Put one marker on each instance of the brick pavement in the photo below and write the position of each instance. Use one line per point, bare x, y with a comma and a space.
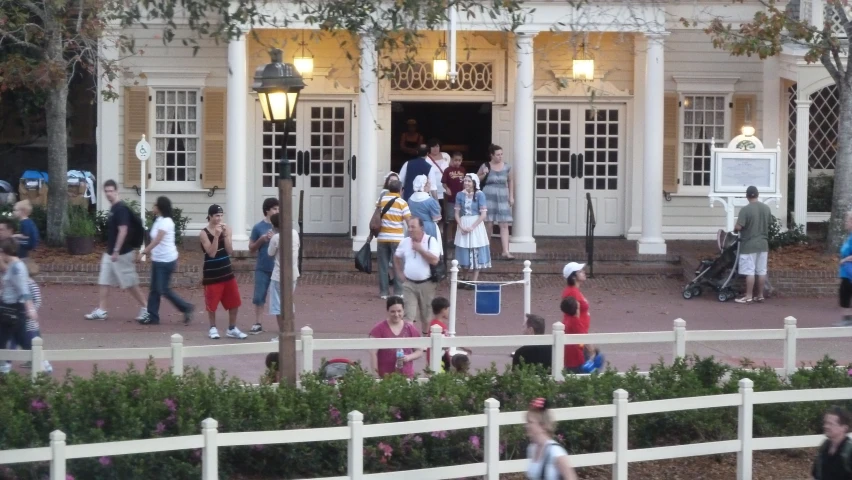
346, 305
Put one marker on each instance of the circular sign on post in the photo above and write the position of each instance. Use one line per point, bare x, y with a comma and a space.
143, 150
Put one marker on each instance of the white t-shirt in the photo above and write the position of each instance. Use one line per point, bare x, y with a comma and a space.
440, 165
552, 451
273, 251
165, 251
415, 265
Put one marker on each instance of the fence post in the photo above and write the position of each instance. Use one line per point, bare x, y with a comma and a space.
680, 339
57, 455
619, 434
527, 287
210, 452
36, 362
790, 336
307, 349
177, 355
436, 349
355, 468
491, 440
558, 358
454, 294
744, 433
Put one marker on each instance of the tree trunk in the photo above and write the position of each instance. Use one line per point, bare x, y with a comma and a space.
57, 143
842, 197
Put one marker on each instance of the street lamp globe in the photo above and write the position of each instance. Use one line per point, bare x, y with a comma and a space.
278, 86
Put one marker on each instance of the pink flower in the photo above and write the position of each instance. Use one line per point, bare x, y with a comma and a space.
396, 414
503, 448
196, 453
850, 372
474, 440
38, 405
170, 404
105, 461
442, 434
69, 477
99, 423
417, 439
161, 427
334, 413
386, 449
257, 448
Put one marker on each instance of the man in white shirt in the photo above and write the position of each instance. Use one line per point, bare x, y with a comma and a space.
413, 260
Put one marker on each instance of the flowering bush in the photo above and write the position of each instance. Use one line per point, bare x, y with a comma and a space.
113, 406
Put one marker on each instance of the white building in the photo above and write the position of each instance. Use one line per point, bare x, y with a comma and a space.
639, 145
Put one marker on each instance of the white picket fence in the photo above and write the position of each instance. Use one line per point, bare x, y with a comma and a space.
307, 345
210, 440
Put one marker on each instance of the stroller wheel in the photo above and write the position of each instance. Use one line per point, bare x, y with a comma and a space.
696, 291
687, 293
723, 296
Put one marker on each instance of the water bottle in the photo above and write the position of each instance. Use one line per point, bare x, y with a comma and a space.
399, 359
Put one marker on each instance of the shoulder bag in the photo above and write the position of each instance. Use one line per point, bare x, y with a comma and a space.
439, 271
376, 220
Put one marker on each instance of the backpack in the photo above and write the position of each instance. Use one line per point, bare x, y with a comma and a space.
845, 455
546, 460
135, 231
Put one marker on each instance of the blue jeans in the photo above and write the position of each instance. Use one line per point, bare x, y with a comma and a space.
161, 275
385, 252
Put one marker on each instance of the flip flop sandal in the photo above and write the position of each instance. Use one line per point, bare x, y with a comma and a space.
744, 300
759, 299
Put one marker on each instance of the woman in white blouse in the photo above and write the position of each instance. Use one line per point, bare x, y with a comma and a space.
164, 256
547, 459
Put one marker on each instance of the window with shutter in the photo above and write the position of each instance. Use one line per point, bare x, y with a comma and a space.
176, 137
671, 113
135, 125
213, 138
704, 119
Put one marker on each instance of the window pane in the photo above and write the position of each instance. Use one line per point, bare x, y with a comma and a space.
176, 135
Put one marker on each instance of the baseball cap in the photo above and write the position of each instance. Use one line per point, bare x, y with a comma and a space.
751, 192
214, 210
572, 268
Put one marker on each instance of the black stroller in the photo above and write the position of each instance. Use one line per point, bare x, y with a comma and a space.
719, 273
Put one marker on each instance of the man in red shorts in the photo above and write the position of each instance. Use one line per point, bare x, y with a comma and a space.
220, 286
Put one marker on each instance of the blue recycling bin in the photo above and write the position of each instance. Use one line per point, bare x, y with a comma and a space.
487, 299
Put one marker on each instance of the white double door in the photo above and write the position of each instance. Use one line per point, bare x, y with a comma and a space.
579, 150
318, 150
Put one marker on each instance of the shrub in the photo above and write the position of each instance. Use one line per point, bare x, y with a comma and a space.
820, 192
114, 406
80, 223
180, 220
793, 236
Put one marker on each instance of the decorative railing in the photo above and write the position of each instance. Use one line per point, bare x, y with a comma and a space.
417, 77
620, 411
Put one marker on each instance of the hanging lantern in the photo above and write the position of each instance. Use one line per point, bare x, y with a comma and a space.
584, 68
440, 65
304, 63
748, 129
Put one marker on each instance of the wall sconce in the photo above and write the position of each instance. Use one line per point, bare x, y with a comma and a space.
584, 68
440, 65
748, 129
305, 63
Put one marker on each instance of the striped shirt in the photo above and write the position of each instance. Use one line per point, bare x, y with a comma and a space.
35, 293
216, 269
393, 222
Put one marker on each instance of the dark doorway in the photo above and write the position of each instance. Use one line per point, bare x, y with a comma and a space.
461, 126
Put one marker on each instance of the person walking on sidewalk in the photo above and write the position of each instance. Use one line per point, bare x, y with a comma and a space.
220, 285
118, 264
753, 226
261, 234
164, 256
16, 302
834, 458
272, 253
846, 276
28, 237
391, 233
413, 260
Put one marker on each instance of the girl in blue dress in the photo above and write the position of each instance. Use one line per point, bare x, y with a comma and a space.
473, 249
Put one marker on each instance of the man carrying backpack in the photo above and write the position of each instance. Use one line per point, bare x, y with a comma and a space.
834, 459
118, 264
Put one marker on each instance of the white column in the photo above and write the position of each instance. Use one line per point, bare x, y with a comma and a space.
636, 134
803, 125
108, 121
236, 193
651, 242
368, 104
524, 144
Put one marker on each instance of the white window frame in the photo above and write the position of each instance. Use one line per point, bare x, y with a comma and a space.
176, 79
716, 86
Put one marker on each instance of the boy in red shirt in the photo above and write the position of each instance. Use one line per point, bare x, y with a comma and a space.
453, 181
441, 312
575, 355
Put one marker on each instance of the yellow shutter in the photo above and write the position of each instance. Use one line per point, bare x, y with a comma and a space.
738, 116
135, 125
671, 114
213, 164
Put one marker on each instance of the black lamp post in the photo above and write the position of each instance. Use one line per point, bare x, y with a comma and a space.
278, 86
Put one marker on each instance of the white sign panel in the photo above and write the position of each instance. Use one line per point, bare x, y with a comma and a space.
734, 171
143, 150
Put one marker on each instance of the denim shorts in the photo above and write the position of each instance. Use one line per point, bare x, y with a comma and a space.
261, 286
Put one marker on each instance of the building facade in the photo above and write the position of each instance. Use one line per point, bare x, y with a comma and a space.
634, 140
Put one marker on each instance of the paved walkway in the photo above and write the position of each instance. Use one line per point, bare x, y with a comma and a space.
345, 306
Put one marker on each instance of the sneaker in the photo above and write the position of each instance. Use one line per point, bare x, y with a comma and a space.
147, 320
187, 315
46, 367
384, 297
845, 322
28, 365
274, 339
143, 314
6, 367
97, 314
214, 333
234, 332
256, 329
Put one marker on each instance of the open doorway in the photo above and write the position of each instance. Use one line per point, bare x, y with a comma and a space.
462, 126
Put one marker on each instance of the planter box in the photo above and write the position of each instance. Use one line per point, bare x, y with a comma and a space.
80, 245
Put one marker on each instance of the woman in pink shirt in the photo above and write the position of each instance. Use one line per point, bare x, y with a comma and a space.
384, 360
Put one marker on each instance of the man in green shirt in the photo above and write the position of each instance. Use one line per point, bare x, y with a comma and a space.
753, 226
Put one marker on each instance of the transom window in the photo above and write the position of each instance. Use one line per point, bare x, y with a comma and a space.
703, 120
176, 135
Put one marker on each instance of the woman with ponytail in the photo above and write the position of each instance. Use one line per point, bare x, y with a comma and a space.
547, 459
